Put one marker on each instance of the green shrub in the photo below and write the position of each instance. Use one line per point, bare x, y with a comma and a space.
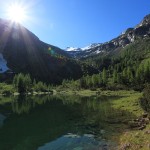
6, 89
145, 100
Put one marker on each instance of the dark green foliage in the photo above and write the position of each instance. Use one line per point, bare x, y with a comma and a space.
87, 82
23, 84
40, 87
145, 101
6, 89
104, 77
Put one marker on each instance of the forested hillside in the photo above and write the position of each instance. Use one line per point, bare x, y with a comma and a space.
129, 67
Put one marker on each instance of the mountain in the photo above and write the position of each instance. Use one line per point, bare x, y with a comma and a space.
141, 31
22, 51
82, 52
123, 62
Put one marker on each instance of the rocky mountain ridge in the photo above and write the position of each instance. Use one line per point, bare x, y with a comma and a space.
142, 30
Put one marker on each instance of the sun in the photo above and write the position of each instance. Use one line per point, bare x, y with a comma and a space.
16, 12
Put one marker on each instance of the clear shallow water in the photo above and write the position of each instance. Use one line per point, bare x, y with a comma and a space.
56, 123
2, 118
75, 142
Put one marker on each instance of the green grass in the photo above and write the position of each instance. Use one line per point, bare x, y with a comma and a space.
129, 102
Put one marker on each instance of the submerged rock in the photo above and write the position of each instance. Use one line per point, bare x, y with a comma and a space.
2, 118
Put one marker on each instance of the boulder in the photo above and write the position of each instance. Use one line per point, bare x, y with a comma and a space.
145, 115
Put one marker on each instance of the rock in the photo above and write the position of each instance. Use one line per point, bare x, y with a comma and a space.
105, 147
147, 132
140, 123
128, 30
145, 21
148, 146
142, 127
125, 146
123, 42
147, 120
145, 115
133, 124
2, 118
142, 120
136, 119
102, 131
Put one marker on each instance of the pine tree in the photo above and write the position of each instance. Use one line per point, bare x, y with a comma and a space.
99, 76
115, 76
94, 80
15, 81
27, 82
118, 78
104, 76
20, 83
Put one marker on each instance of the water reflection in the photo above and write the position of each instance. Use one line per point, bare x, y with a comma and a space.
76, 142
35, 120
2, 118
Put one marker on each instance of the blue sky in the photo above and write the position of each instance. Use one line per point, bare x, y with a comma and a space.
78, 23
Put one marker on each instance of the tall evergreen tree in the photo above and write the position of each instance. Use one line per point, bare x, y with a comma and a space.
104, 76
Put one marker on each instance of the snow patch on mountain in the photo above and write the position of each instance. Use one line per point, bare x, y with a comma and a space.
3, 64
72, 49
91, 46
92, 49
84, 48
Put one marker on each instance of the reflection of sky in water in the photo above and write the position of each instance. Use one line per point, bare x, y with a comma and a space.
75, 142
2, 118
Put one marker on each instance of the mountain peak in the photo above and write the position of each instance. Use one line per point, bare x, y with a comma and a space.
145, 21
147, 18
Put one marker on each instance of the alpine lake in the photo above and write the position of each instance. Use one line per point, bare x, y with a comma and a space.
60, 122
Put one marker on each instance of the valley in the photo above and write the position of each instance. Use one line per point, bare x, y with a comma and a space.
96, 97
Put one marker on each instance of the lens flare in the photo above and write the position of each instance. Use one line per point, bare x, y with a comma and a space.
16, 12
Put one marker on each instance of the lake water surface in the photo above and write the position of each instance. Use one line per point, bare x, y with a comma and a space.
56, 123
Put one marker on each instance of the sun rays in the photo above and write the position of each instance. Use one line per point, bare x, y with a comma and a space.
16, 12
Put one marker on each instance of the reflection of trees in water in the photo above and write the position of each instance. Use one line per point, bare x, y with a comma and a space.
95, 109
100, 106
22, 104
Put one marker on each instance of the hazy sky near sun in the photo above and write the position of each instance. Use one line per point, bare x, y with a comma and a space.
78, 23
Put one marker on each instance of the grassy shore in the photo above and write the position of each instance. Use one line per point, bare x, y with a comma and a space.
132, 139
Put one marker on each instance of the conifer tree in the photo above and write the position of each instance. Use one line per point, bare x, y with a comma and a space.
104, 76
